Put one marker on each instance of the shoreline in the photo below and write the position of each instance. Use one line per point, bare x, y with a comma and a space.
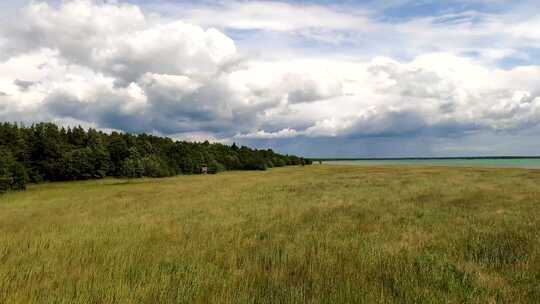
450, 163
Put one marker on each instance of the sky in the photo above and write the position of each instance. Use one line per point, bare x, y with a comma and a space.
320, 78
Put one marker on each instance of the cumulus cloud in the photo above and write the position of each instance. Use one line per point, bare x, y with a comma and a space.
435, 95
126, 68
120, 41
285, 133
113, 66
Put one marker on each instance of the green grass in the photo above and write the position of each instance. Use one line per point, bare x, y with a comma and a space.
319, 234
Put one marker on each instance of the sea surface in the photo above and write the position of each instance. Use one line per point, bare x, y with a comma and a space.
529, 163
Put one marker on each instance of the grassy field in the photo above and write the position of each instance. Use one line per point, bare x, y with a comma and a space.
319, 234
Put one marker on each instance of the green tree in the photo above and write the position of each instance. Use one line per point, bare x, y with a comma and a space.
132, 166
44, 151
118, 152
12, 173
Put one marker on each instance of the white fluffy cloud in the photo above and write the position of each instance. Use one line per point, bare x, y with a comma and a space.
120, 41
114, 66
435, 94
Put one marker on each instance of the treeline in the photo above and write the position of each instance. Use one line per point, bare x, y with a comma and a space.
47, 152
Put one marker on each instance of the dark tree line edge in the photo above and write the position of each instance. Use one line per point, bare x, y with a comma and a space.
46, 152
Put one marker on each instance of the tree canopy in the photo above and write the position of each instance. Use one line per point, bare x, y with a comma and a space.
47, 152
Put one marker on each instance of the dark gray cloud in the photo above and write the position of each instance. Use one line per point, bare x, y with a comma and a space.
23, 85
481, 143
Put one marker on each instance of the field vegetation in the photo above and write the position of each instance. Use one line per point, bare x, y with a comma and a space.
314, 234
47, 152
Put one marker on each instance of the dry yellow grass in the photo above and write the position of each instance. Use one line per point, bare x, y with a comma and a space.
319, 234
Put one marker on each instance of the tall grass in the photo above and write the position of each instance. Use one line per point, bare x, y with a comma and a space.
319, 234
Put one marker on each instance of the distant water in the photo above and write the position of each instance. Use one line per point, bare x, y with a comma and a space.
529, 163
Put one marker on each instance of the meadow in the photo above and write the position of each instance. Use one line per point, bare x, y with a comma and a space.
314, 234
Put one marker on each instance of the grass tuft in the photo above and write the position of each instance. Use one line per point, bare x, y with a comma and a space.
497, 249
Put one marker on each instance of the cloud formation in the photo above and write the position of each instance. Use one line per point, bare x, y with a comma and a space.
114, 66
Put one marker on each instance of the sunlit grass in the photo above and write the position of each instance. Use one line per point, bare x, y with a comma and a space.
320, 234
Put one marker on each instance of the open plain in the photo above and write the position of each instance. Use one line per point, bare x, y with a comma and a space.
314, 234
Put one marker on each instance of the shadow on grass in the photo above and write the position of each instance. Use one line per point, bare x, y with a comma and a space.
497, 249
425, 278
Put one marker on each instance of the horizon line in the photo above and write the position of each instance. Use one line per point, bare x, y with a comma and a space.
421, 158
